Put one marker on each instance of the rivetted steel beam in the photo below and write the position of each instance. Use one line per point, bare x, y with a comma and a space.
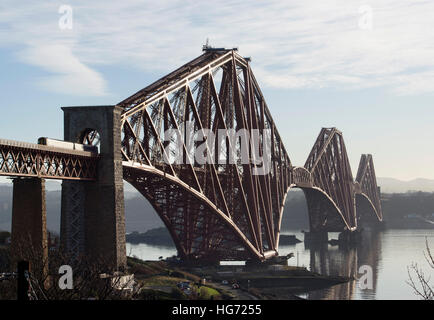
22, 159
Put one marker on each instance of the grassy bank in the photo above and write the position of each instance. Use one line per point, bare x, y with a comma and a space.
160, 281
254, 283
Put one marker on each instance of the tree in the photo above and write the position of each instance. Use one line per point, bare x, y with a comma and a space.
92, 278
419, 281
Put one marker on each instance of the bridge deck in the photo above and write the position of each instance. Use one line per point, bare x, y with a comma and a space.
23, 159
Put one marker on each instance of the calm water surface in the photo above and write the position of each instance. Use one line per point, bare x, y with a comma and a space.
388, 253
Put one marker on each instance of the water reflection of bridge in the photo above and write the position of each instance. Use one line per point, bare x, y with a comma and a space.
347, 261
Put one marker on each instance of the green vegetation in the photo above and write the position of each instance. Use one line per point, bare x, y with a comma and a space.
162, 281
159, 281
146, 268
150, 294
208, 293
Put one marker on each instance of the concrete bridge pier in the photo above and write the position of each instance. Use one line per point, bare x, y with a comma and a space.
93, 217
29, 221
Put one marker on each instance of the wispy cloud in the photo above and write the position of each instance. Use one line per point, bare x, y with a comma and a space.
294, 44
67, 74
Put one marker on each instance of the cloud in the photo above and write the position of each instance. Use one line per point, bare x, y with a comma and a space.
294, 44
67, 74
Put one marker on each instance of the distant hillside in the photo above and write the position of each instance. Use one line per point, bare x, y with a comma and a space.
390, 185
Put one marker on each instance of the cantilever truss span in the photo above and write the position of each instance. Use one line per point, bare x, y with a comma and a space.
221, 208
331, 192
366, 184
331, 175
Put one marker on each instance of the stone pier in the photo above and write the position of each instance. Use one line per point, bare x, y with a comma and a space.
93, 217
29, 220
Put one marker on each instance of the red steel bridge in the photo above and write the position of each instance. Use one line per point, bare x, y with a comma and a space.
218, 209
22, 159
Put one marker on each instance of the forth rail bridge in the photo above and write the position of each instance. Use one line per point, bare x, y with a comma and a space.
214, 211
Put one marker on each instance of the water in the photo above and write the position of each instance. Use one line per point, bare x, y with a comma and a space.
148, 252
389, 253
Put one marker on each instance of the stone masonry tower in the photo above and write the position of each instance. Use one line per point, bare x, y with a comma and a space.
93, 215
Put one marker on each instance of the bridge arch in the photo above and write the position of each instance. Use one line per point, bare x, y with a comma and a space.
324, 214
199, 229
214, 92
323, 211
367, 215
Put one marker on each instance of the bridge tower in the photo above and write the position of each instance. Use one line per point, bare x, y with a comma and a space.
93, 214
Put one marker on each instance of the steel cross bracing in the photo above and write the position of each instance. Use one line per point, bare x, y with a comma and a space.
331, 175
330, 169
217, 209
20, 159
366, 184
220, 210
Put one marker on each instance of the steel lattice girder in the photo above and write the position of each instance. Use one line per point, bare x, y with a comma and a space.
330, 169
217, 210
21, 159
331, 174
215, 91
367, 184
222, 210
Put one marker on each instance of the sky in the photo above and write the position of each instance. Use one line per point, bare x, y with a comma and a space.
364, 67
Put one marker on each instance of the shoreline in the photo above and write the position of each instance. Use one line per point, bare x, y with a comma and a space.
235, 282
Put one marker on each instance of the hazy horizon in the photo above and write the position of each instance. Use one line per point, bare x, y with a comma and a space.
387, 185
